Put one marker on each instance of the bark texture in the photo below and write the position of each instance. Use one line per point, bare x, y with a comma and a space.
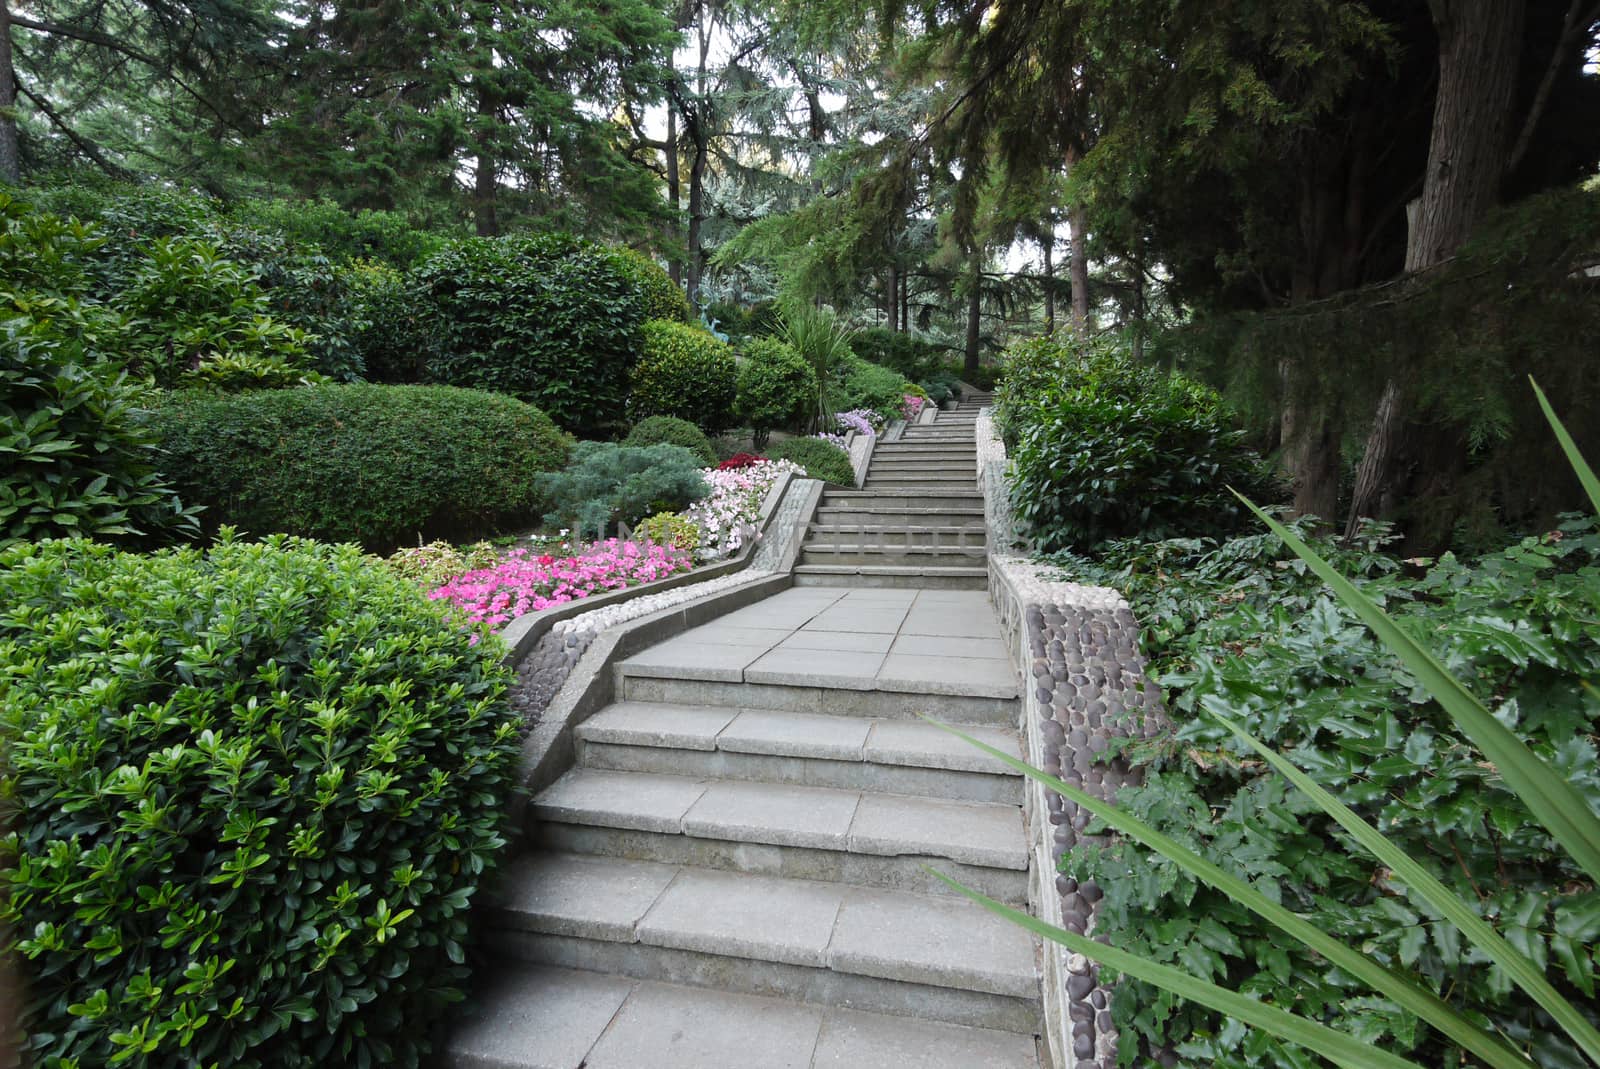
10, 155
1479, 43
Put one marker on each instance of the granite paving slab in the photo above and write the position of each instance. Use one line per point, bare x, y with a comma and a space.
639, 801
911, 742
536, 1018
970, 832
932, 939
772, 813
682, 727
667, 1027
853, 1040
592, 897
836, 738
837, 669
745, 916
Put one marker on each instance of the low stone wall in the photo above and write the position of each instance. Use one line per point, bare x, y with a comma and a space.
1077, 650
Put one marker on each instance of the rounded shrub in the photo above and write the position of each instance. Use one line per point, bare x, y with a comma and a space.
775, 388
550, 320
380, 465
670, 430
684, 372
663, 298
822, 460
256, 790
670, 529
607, 484
1106, 448
864, 385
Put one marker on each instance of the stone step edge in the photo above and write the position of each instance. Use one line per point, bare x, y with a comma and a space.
905, 754
549, 806
560, 881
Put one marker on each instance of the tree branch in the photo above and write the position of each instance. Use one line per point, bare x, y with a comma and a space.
104, 40
85, 146
1541, 98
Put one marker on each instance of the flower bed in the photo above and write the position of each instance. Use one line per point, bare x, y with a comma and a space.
527, 582
734, 505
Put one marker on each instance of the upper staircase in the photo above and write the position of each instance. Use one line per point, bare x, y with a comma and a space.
917, 520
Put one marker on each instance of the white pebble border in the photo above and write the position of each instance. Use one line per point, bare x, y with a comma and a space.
597, 620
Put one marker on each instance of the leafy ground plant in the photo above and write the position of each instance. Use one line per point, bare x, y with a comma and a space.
1504, 945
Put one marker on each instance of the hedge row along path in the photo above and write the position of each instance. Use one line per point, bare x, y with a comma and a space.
733, 874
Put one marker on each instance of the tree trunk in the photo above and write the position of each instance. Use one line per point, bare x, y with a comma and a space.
893, 317
485, 180
974, 312
674, 192
1479, 43
905, 304
10, 155
1078, 265
697, 193
1049, 247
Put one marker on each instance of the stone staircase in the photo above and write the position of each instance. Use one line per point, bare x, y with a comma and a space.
917, 521
734, 875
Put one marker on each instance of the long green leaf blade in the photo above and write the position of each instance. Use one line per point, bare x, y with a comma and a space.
1336, 1046
1552, 800
1586, 475
1423, 884
1423, 1003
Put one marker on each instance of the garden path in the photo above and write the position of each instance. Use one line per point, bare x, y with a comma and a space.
735, 874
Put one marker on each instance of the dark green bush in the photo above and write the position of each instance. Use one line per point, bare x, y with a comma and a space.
1103, 448
822, 460
384, 237
915, 358
550, 320
282, 788
379, 465
78, 461
663, 298
1244, 630
670, 430
385, 323
864, 385
608, 484
776, 388
684, 372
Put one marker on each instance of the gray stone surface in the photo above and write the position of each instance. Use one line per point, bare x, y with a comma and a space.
835, 738
528, 1017
593, 897
925, 939
977, 834
640, 801
816, 668
851, 1040
684, 727
948, 675
771, 813
744, 916
911, 742
667, 1027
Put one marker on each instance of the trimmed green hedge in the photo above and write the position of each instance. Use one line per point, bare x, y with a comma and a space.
670, 430
255, 791
380, 465
684, 372
822, 460
775, 388
663, 298
550, 320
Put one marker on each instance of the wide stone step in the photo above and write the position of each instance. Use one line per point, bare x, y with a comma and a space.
915, 557
891, 537
893, 576
912, 466
933, 484
815, 941
538, 1017
964, 517
861, 838
904, 497
808, 749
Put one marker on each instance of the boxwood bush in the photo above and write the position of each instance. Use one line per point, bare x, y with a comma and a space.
684, 372
378, 465
550, 320
670, 430
256, 790
1105, 448
775, 388
663, 298
822, 460
864, 385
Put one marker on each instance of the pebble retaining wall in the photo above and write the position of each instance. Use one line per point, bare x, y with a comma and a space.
1077, 650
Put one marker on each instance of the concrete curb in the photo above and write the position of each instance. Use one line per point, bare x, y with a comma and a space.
524, 632
548, 750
